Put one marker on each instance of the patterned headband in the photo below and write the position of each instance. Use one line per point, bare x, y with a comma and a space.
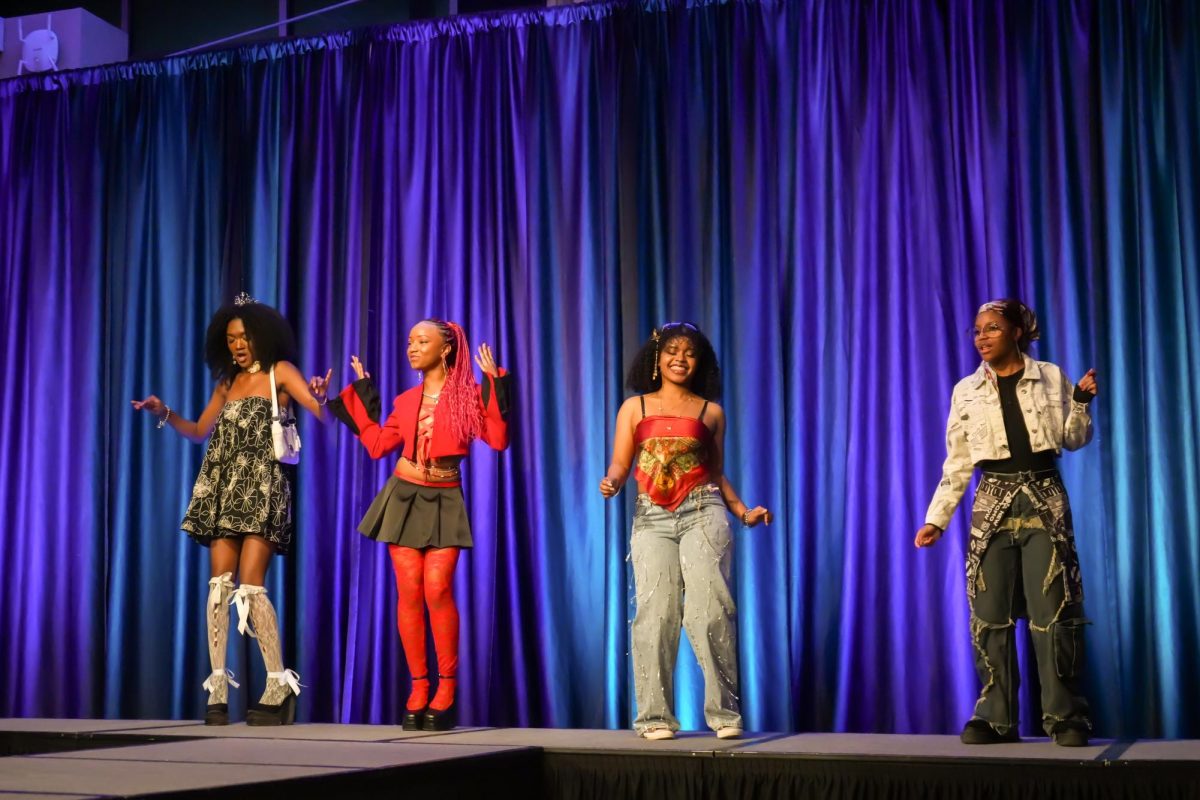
656, 333
1029, 321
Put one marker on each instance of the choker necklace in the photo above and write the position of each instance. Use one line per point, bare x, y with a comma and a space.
253, 368
433, 397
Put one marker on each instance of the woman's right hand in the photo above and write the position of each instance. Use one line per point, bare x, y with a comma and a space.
359, 370
151, 404
608, 487
928, 535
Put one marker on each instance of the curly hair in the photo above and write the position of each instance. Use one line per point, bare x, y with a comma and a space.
460, 394
1018, 315
643, 376
270, 336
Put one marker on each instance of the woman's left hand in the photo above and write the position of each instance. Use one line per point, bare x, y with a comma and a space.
753, 516
320, 386
486, 361
1088, 382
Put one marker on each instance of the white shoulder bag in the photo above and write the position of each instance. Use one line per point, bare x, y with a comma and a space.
284, 436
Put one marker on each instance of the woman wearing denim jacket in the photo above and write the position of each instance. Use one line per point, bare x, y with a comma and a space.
1011, 418
681, 545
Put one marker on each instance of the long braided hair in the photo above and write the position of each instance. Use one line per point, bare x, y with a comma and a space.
459, 398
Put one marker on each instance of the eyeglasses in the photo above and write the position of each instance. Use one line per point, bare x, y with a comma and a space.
989, 331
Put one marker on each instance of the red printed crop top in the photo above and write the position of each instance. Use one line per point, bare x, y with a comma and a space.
673, 456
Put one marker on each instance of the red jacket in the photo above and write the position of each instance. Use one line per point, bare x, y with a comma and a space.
358, 406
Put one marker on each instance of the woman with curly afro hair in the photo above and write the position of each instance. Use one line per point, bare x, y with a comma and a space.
672, 435
241, 507
420, 513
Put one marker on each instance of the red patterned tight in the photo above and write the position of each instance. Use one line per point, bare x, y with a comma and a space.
426, 578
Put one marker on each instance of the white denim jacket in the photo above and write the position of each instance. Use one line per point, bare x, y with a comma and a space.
975, 427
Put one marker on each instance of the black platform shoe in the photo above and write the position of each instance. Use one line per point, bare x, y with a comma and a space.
440, 719
412, 719
261, 714
216, 714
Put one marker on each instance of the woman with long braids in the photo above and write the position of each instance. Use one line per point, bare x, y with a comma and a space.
241, 507
1010, 419
420, 512
672, 434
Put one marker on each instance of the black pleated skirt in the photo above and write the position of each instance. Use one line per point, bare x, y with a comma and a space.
416, 516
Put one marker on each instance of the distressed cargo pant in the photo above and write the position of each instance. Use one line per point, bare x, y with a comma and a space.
1020, 574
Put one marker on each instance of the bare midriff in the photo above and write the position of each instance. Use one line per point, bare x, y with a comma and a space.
439, 470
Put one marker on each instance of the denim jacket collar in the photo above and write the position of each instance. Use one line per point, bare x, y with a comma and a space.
986, 374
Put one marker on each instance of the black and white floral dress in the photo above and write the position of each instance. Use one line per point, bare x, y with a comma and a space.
241, 488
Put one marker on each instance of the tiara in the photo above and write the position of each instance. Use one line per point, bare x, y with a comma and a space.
243, 299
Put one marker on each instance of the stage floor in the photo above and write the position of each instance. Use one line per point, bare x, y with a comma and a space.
138, 758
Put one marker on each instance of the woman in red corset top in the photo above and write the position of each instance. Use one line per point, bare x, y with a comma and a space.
420, 512
672, 434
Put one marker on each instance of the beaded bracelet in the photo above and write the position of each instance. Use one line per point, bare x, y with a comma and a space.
164, 419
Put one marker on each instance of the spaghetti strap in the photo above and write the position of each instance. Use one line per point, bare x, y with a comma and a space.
642, 398
703, 408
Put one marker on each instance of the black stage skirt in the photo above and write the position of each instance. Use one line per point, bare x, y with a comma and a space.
416, 516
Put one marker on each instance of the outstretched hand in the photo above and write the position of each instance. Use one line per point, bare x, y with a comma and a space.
359, 370
487, 361
152, 405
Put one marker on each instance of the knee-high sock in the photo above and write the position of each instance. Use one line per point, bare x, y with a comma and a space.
216, 615
443, 618
409, 566
255, 608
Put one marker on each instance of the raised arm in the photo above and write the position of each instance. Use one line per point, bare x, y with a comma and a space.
311, 394
1077, 422
359, 407
495, 393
